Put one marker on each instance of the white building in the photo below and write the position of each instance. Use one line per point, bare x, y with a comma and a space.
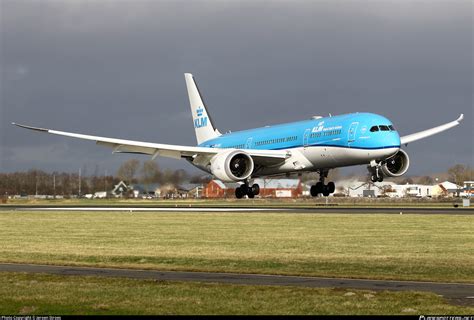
446, 189
468, 189
355, 188
411, 190
100, 195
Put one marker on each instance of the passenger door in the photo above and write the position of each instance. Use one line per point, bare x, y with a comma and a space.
352, 133
248, 144
306, 137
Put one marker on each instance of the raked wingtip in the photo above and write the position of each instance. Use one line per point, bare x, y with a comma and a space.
30, 127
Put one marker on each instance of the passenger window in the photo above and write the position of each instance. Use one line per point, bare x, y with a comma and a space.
374, 128
384, 128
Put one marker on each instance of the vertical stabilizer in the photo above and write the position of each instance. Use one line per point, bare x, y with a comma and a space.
202, 121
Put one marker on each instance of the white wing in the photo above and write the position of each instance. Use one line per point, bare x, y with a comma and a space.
165, 150
426, 133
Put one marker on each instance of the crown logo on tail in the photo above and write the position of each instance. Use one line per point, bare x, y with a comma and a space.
199, 111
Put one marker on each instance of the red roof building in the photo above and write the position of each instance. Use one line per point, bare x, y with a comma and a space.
218, 189
269, 188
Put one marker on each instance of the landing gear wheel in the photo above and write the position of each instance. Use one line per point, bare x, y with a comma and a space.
376, 174
255, 189
331, 187
245, 189
319, 187
239, 194
326, 191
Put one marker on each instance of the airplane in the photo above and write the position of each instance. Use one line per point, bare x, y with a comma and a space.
317, 145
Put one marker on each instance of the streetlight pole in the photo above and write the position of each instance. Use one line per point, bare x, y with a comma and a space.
79, 182
105, 183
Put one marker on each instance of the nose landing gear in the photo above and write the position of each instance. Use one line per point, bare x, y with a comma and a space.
375, 171
320, 187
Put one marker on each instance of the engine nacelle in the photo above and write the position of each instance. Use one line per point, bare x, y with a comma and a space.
396, 165
232, 165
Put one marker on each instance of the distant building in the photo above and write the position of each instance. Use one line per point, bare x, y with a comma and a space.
121, 189
280, 188
157, 190
468, 189
269, 188
368, 193
219, 189
412, 190
191, 190
446, 189
100, 195
356, 188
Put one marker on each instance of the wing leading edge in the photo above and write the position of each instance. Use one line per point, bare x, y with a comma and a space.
426, 133
163, 150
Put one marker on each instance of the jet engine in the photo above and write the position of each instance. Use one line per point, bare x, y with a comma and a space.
232, 165
396, 165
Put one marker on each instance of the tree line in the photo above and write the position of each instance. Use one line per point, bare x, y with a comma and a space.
132, 171
39, 182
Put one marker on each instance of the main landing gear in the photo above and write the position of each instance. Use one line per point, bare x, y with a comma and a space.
249, 191
375, 171
320, 187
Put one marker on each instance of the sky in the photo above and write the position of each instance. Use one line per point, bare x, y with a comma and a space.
115, 69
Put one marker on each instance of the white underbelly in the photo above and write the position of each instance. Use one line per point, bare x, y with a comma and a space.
328, 157
312, 158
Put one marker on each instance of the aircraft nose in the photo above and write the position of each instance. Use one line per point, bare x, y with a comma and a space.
395, 139
392, 141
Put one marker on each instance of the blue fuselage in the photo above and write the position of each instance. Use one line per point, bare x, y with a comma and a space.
354, 131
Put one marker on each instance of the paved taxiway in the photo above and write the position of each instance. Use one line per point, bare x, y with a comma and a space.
194, 208
460, 293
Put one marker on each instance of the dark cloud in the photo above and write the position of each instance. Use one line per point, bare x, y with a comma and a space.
115, 68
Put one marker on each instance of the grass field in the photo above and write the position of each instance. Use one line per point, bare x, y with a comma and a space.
46, 294
405, 247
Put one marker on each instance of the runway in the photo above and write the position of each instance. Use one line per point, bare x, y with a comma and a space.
155, 209
317, 209
460, 293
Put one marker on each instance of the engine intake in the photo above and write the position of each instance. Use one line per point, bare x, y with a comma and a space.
396, 165
232, 165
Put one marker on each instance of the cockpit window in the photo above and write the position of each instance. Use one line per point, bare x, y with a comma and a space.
382, 128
